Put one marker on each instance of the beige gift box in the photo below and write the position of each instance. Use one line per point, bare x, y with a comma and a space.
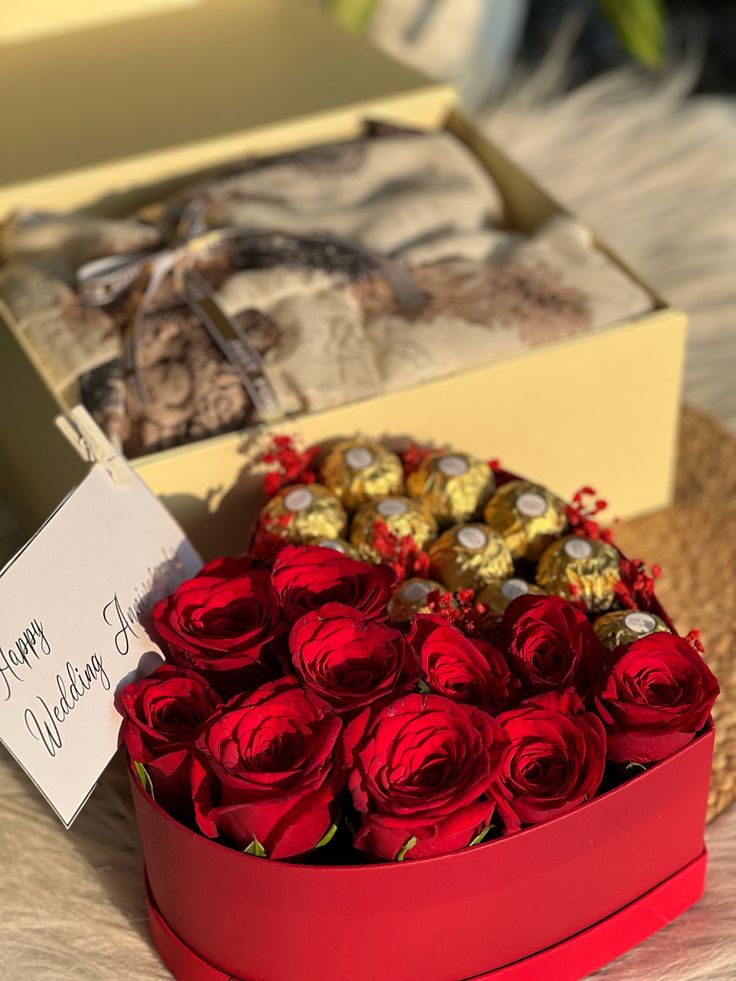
113, 113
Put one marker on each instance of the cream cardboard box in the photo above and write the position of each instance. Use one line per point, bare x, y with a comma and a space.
108, 115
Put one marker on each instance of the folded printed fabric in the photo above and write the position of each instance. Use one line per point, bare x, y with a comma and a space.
351, 270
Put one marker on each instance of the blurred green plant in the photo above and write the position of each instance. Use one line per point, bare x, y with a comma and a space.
640, 27
355, 15
638, 24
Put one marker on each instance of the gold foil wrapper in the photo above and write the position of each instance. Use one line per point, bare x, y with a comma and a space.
304, 513
626, 626
357, 471
470, 556
497, 595
528, 517
410, 598
402, 517
453, 486
582, 570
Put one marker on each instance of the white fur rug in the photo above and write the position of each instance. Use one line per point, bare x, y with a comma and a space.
657, 178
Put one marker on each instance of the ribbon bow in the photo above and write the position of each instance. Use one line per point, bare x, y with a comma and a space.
102, 281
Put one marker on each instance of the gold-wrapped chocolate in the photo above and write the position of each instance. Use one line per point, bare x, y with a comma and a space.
583, 570
338, 545
528, 517
453, 486
410, 598
469, 556
304, 513
626, 626
400, 515
497, 595
357, 471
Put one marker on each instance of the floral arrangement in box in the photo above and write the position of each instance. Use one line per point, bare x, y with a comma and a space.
417, 652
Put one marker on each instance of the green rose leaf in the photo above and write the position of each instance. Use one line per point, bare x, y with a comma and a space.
406, 847
256, 848
423, 687
327, 836
482, 834
632, 769
144, 779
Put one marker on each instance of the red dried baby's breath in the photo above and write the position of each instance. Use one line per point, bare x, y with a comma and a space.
289, 464
413, 457
581, 515
267, 542
400, 552
695, 640
459, 609
636, 588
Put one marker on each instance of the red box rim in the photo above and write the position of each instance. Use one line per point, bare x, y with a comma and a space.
579, 954
381, 867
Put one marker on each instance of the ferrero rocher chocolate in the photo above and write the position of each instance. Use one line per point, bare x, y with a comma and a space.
357, 471
453, 486
626, 626
528, 517
469, 556
497, 595
304, 513
400, 515
583, 570
410, 598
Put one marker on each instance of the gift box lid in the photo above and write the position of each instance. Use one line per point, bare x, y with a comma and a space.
102, 108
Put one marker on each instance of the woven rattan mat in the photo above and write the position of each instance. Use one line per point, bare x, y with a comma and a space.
695, 543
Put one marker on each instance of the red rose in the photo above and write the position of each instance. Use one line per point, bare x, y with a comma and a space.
458, 667
421, 769
223, 623
164, 714
348, 659
658, 693
554, 760
551, 645
263, 774
306, 577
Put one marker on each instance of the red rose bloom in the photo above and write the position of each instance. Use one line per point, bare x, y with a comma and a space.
458, 667
306, 577
658, 693
263, 774
421, 769
348, 659
164, 714
554, 760
223, 623
551, 645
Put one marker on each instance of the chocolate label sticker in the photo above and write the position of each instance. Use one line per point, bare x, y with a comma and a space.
472, 537
414, 592
578, 548
299, 499
391, 506
75, 615
358, 457
640, 623
513, 588
453, 466
531, 504
331, 543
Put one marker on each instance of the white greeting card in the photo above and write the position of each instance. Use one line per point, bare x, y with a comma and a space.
75, 616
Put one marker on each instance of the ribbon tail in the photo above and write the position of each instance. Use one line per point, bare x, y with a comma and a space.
234, 343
